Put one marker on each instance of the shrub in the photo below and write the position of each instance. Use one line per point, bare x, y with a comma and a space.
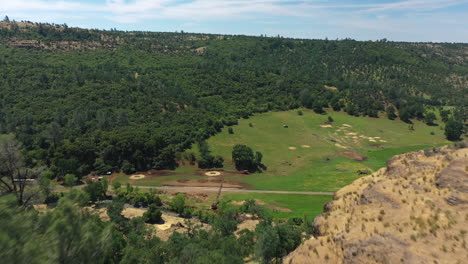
70, 179
177, 204
48, 174
153, 215
230, 130
127, 167
139, 200
116, 185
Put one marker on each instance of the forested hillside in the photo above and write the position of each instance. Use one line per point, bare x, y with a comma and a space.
83, 101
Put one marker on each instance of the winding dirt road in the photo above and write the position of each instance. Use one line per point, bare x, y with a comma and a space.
227, 190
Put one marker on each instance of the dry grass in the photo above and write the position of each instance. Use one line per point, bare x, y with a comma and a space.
395, 214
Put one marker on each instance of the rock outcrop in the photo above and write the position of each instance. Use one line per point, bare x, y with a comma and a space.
413, 211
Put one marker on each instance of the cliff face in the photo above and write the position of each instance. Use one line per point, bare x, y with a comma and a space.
413, 211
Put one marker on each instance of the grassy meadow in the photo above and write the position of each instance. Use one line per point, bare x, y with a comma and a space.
309, 155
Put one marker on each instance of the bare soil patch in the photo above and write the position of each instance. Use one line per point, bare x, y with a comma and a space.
326, 125
292, 148
248, 224
137, 177
353, 155
212, 173
332, 88
340, 146
171, 223
305, 146
183, 180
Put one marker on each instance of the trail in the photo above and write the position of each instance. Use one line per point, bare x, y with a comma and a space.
227, 190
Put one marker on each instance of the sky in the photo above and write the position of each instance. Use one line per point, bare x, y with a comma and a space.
397, 20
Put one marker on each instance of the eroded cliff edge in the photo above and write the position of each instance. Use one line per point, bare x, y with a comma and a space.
413, 211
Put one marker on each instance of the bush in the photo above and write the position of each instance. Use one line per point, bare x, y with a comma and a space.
230, 130
177, 204
153, 215
245, 159
139, 200
453, 130
299, 113
48, 174
96, 190
116, 185
70, 179
153, 199
127, 167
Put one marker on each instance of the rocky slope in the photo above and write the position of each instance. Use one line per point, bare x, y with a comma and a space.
413, 211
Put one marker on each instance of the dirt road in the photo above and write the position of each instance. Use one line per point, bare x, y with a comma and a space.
230, 190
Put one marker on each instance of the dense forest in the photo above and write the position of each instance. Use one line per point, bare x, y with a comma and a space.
89, 101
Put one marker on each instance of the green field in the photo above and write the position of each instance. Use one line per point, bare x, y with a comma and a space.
306, 169
300, 205
307, 156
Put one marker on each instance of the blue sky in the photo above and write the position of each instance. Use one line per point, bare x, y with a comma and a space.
399, 20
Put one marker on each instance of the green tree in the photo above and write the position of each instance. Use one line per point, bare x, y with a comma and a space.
405, 115
429, 118
70, 179
453, 130
226, 223
391, 112
444, 115
116, 185
153, 214
127, 167
177, 204
96, 190
267, 246
245, 159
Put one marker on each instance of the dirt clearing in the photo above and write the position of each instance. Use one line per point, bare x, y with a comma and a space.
137, 177
292, 148
305, 146
212, 173
353, 155
326, 125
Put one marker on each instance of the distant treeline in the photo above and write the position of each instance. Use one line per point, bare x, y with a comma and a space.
140, 98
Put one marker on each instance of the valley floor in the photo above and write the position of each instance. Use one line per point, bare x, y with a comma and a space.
310, 156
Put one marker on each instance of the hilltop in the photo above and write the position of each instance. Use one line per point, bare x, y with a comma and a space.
413, 211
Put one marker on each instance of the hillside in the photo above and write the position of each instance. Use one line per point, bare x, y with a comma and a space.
84, 101
413, 211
